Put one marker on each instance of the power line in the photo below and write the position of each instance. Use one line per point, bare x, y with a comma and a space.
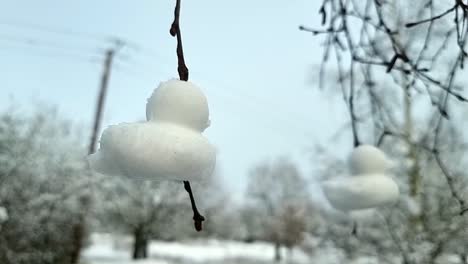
92, 58
272, 120
55, 30
106, 39
101, 39
45, 43
125, 58
58, 49
275, 123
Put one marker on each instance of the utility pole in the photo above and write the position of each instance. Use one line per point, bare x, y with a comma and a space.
79, 231
110, 53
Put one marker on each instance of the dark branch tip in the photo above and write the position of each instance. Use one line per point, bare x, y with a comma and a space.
197, 217
173, 30
392, 62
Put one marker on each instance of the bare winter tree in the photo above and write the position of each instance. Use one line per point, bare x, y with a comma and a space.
421, 228
412, 48
399, 65
291, 225
279, 193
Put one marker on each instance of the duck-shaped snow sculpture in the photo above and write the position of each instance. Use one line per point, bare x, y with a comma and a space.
367, 187
170, 145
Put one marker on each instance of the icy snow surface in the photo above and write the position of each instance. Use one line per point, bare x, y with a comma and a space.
367, 159
368, 186
168, 146
179, 102
360, 192
107, 249
3, 214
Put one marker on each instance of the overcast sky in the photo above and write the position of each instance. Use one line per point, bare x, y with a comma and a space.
248, 56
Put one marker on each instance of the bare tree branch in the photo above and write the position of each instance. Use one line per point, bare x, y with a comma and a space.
175, 32
378, 46
450, 10
184, 76
197, 217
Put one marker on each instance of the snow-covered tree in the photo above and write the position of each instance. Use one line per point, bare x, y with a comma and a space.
140, 208
279, 196
42, 182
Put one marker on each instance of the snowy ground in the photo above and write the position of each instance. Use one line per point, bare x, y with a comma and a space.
107, 249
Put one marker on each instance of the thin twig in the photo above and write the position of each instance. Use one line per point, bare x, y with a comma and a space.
352, 110
175, 32
319, 31
432, 18
184, 76
197, 217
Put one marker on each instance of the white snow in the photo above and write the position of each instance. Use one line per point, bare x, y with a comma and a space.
149, 151
215, 250
179, 102
3, 214
360, 192
168, 146
369, 188
106, 249
367, 159
412, 205
365, 216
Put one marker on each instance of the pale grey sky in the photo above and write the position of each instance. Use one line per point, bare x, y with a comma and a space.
248, 56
